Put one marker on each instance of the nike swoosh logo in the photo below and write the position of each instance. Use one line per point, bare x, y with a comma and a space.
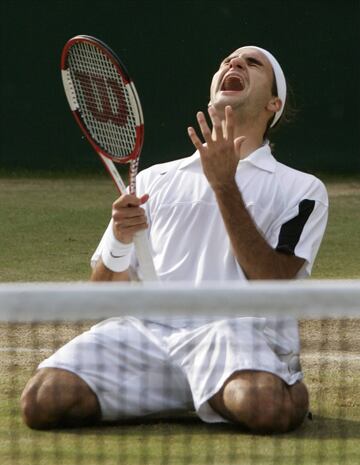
116, 256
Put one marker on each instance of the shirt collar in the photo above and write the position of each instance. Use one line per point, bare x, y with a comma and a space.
261, 158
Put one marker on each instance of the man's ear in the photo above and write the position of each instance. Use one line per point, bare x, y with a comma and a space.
274, 104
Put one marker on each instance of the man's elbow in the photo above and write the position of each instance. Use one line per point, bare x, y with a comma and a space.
280, 267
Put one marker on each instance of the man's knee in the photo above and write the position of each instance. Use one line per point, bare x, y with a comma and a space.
299, 396
259, 401
55, 397
40, 404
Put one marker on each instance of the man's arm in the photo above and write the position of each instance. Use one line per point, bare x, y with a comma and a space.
219, 158
256, 257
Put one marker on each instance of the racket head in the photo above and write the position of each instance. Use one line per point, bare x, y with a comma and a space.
102, 98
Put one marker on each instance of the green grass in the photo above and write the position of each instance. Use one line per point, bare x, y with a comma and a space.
328, 440
339, 255
331, 438
49, 228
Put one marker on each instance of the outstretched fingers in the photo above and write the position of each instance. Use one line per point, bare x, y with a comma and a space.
217, 126
229, 123
204, 127
209, 135
195, 139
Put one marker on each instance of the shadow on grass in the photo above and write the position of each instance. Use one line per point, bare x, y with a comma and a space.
320, 427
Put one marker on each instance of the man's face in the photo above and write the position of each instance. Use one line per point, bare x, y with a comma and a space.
244, 79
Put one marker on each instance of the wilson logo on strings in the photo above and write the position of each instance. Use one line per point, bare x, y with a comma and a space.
104, 98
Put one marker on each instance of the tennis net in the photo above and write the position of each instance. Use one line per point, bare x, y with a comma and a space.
38, 319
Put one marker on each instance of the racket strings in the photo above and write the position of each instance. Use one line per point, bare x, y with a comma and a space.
103, 99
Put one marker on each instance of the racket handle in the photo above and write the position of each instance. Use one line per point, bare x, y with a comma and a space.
140, 239
143, 253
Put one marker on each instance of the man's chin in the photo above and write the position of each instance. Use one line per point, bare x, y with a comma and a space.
220, 104
226, 98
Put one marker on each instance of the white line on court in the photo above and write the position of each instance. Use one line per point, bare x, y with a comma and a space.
306, 357
25, 349
337, 357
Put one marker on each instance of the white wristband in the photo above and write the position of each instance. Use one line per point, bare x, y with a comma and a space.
116, 255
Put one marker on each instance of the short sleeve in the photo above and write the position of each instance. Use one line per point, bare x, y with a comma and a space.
301, 228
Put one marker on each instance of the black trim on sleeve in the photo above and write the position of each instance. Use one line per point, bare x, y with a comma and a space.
290, 231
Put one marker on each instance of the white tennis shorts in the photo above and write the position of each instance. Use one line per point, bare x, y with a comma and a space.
137, 367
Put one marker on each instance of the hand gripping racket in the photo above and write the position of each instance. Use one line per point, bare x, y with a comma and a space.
105, 104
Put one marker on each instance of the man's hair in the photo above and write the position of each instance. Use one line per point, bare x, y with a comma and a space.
288, 114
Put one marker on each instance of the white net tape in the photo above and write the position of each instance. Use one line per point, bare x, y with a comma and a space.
74, 301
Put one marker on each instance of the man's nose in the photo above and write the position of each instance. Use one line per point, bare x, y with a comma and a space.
237, 62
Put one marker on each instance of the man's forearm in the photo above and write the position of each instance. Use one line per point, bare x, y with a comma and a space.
256, 257
101, 273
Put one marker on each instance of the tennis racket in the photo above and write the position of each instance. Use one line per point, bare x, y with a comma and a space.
106, 106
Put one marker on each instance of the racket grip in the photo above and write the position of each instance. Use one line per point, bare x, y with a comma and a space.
143, 253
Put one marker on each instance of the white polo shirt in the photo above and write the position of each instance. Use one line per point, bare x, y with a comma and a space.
187, 235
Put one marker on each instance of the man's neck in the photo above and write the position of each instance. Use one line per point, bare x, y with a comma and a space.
249, 145
254, 138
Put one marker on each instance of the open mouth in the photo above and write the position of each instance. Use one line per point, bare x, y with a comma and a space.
233, 82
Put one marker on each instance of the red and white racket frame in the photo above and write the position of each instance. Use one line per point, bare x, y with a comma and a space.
140, 238
105, 157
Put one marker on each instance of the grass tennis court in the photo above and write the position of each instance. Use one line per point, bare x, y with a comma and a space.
49, 227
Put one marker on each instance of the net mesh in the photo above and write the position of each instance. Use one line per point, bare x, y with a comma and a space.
105, 101
37, 320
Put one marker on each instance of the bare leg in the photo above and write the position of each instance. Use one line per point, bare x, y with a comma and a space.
54, 398
261, 402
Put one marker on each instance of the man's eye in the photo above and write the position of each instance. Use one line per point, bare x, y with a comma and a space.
252, 62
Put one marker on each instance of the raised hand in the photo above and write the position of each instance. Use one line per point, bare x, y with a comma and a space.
220, 154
